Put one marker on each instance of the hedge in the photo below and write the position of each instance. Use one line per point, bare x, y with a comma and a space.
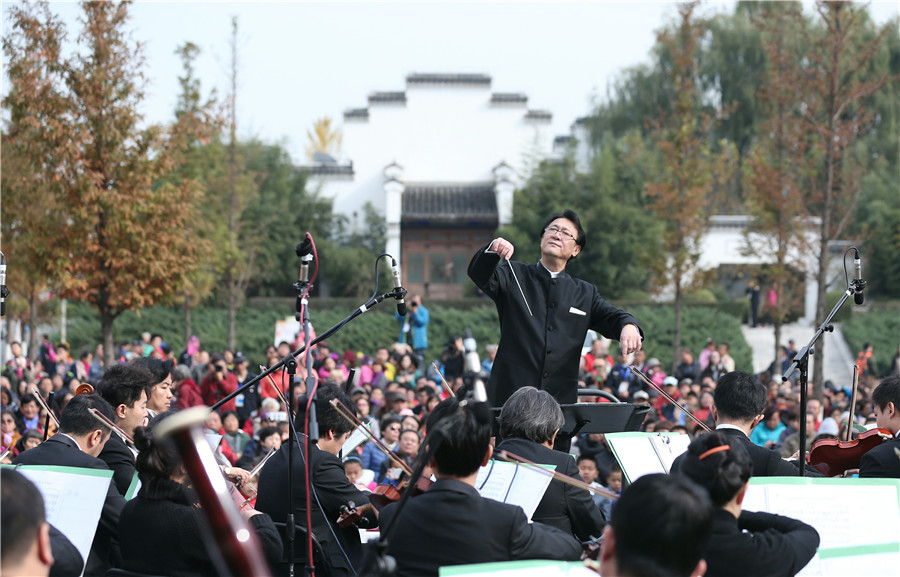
379, 327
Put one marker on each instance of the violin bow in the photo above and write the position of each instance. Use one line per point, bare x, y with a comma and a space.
443, 380
40, 399
852, 402
644, 378
110, 425
277, 390
350, 417
562, 478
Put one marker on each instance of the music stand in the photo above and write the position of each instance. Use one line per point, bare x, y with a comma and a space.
594, 418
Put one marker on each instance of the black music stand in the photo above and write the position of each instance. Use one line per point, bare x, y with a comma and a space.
594, 418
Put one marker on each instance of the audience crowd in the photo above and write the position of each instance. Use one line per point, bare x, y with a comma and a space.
394, 391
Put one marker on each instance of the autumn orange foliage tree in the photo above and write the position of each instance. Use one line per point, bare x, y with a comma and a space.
680, 196
119, 242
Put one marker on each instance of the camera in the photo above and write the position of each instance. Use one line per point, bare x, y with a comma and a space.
220, 369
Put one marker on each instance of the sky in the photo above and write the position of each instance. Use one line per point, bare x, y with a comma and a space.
300, 61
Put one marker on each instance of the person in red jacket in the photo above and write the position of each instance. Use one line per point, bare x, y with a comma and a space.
187, 391
218, 383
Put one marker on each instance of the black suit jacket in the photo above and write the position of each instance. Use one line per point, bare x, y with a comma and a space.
766, 462
120, 459
451, 524
774, 546
60, 450
563, 506
333, 490
882, 461
162, 533
543, 350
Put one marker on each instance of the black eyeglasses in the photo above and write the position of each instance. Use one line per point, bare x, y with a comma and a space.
561, 231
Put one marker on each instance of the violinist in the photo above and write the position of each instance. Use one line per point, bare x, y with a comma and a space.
529, 422
883, 460
162, 530
341, 545
450, 523
743, 543
738, 405
660, 526
80, 440
126, 387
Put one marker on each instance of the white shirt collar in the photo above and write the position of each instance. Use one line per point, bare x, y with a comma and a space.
730, 426
552, 274
77, 444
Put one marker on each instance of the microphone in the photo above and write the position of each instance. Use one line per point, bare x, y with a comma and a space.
480, 408
304, 251
858, 296
4, 292
401, 303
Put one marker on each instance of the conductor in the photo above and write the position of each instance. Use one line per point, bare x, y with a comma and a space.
545, 313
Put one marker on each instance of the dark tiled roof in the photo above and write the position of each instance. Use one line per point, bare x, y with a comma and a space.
387, 97
465, 203
539, 115
327, 169
356, 113
508, 98
470, 79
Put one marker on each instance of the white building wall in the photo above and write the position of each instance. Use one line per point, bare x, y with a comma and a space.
443, 133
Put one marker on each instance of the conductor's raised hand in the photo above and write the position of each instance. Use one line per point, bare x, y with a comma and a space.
502, 247
630, 339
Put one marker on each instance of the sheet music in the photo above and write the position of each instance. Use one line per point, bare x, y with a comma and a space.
73, 499
513, 483
356, 439
858, 520
668, 446
635, 454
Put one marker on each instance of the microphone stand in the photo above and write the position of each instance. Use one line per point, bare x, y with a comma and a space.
302, 287
801, 362
397, 293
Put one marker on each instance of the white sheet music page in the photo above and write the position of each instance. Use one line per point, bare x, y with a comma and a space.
635, 454
73, 499
513, 483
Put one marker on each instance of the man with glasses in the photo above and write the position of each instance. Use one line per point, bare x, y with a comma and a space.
545, 313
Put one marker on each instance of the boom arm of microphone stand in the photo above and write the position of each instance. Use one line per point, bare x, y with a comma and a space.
357, 312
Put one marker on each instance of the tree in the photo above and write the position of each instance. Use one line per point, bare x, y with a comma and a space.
775, 169
35, 142
680, 199
124, 231
836, 82
200, 121
323, 138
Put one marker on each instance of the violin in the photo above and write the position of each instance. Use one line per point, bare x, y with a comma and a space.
383, 495
832, 457
84, 389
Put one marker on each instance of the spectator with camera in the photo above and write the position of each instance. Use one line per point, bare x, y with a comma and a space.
218, 383
452, 358
418, 320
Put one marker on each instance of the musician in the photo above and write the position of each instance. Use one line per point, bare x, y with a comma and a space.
660, 526
341, 545
451, 524
26, 549
80, 440
543, 348
126, 387
529, 422
743, 542
883, 460
159, 398
739, 402
162, 530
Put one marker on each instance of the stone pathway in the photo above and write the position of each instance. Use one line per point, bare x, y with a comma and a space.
838, 357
